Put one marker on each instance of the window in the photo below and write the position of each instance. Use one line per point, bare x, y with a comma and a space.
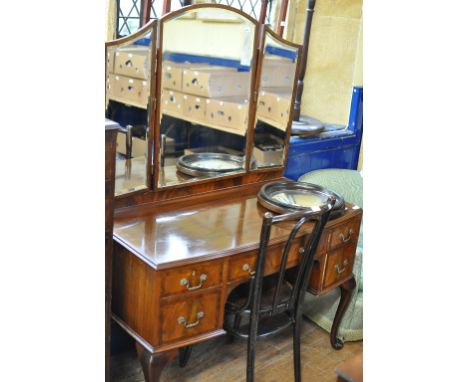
252, 8
130, 16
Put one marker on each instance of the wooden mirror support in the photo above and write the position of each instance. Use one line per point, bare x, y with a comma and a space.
303, 65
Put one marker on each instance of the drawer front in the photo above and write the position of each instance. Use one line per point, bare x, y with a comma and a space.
190, 278
339, 265
241, 266
345, 233
190, 317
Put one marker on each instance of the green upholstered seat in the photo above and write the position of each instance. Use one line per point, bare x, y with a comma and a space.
321, 310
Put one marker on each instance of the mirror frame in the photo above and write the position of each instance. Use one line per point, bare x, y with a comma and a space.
154, 194
252, 103
151, 26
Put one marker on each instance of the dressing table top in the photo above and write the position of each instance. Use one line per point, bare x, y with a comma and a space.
216, 228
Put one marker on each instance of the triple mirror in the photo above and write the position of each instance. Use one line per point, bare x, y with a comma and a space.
206, 123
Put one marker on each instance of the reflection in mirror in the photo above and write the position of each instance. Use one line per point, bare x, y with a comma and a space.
278, 69
128, 80
207, 56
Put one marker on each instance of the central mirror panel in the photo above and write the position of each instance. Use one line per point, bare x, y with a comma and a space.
128, 88
274, 104
207, 69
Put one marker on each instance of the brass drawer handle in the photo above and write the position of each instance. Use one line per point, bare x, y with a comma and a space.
346, 239
202, 279
341, 270
246, 268
182, 321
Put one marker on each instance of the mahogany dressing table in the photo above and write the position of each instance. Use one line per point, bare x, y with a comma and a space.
183, 242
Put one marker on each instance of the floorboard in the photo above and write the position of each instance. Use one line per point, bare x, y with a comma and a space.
216, 360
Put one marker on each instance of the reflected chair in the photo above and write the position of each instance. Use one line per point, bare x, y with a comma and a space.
272, 304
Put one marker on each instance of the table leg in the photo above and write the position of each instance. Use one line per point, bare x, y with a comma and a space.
347, 289
184, 355
153, 364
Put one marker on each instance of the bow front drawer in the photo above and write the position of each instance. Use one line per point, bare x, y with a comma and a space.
345, 233
243, 266
190, 278
339, 265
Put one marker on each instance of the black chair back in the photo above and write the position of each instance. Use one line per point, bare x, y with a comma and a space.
280, 299
302, 218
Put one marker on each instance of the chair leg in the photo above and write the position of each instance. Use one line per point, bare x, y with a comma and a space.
235, 327
237, 321
251, 346
251, 358
297, 349
184, 355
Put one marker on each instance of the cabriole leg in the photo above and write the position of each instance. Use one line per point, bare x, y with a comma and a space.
153, 364
347, 289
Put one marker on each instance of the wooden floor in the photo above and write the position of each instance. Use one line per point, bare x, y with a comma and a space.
215, 360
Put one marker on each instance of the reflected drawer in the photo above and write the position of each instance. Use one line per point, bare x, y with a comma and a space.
133, 91
345, 233
339, 265
133, 62
189, 317
172, 102
194, 107
190, 278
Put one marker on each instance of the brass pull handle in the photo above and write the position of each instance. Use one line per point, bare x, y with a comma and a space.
182, 321
341, 270
185, 282
246, 268
346, 239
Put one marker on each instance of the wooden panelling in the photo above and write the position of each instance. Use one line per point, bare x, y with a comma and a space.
136, 294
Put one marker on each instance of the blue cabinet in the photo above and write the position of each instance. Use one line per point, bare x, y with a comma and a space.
333, 149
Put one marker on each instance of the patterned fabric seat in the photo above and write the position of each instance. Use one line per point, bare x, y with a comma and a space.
321, 310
